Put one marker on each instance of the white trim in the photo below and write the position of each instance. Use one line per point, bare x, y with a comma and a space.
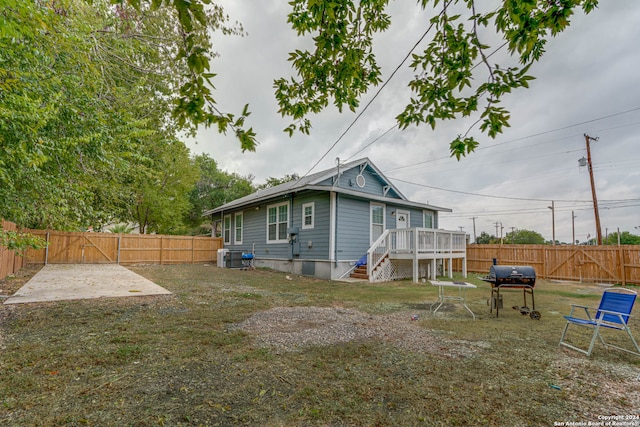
384, 220
433, 219
277, 223
313, 215
235, 228
408, 215
224, 229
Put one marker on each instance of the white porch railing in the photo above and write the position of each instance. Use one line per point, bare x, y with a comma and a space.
378, 252
415, 244
426, 240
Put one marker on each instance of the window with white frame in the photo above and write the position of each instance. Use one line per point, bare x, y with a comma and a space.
308, 214
377, 221
428, 220
239, 220
277, 223
226, 229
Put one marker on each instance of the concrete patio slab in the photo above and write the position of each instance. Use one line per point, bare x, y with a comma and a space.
56, 282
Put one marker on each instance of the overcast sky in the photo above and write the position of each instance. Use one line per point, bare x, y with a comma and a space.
588, 82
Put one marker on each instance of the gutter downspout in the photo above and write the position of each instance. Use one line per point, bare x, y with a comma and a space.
290, 224
335, 237
336, 183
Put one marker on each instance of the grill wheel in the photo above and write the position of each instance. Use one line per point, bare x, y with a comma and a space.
524, 310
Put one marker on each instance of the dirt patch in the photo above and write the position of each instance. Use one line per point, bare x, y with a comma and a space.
294, 328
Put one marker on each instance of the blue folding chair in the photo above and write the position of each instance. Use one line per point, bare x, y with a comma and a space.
613, 313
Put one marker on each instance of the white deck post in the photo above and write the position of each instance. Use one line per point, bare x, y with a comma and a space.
464, 266
450, 272
415, 256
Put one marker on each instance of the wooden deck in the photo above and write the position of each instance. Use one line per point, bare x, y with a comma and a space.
415, 252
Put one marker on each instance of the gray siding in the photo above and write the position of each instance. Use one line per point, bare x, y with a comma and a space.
373, 184
319, 234
353, 228
255, 232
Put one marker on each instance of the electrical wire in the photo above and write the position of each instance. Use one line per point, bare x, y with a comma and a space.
530, 136
353, 122
491, 196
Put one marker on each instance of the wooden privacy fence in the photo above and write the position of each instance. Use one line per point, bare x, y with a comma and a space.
109, 248
595, 264
10, 262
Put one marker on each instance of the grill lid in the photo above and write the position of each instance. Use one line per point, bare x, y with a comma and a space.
511, 275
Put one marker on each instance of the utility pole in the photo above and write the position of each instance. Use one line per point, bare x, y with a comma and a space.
553, 221
573, 228
587, 138
474, 228
501, 228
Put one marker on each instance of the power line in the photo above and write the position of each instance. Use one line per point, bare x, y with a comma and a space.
396, 125
372, 142
375, 95
527, 137
529, 199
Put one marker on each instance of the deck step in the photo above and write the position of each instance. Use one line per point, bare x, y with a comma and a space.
360, 273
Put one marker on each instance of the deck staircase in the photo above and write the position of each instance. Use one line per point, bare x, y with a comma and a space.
360, 272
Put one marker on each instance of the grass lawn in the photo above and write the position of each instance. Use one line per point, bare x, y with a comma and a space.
182, 360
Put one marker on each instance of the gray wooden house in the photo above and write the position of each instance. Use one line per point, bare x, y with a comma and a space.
326, 224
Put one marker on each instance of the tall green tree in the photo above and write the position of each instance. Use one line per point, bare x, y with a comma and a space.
215, 188
87, 94
51, 121
485, 239
272, 182
626, 238
160, 188
524, 237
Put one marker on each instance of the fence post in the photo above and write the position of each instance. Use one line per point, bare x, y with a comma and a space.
46, 251
544, 262
623, 272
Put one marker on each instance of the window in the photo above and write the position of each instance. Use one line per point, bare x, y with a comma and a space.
226, 229
239, 222
428, 220
377, 221
277, 223
308, 215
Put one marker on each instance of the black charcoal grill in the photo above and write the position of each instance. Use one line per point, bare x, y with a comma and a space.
512, 277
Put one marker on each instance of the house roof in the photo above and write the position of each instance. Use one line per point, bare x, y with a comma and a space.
312, 182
